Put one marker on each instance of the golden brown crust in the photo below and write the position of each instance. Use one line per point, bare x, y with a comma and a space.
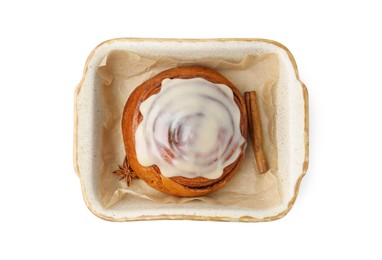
178, 186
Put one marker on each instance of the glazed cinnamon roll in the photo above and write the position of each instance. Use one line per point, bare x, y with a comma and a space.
185, 131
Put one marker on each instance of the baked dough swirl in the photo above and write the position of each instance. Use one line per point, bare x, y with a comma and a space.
184, 131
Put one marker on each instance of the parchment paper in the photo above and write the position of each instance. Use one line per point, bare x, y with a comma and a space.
122, 71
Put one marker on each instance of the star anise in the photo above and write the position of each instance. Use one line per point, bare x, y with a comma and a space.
126, 172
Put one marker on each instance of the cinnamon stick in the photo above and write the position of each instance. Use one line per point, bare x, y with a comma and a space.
255, 130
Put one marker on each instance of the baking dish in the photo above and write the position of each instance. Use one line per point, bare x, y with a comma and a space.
291, 129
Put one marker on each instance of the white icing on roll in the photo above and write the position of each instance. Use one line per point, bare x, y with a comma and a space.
191, 128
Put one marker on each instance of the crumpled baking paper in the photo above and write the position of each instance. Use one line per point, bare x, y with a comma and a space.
122, 71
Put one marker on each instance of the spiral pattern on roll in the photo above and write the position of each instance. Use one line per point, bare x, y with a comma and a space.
191, 128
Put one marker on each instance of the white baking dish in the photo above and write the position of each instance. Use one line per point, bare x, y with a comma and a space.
291, 122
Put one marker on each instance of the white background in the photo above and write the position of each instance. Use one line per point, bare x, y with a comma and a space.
338, 48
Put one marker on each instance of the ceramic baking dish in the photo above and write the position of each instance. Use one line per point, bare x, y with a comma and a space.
291, 122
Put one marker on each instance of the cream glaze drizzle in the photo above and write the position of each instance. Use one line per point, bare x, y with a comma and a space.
191, 128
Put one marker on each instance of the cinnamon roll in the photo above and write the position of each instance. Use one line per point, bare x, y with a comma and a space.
185, 131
